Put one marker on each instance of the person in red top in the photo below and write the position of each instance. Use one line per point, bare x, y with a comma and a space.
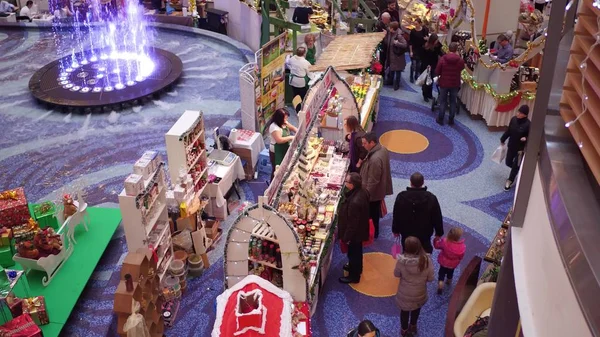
449, 69
452, 252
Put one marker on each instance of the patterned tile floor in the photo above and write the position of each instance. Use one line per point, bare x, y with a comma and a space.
49, 152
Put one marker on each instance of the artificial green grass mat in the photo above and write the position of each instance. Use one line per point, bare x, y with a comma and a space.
66, 287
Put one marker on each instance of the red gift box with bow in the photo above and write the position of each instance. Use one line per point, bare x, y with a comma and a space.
22, 326
13, 208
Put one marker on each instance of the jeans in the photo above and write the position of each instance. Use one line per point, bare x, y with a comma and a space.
443, 99
444, 273
374, 214
355, 260
405, 316
415, 68
512, 161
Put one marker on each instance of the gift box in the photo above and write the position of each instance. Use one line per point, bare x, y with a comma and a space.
134, 184
143, 167
22, 326
36, 308
6, 257
5, 236
44, 214
15, 305
154, 157
13, 207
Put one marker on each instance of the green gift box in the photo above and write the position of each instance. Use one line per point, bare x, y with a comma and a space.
44, 215
6, 257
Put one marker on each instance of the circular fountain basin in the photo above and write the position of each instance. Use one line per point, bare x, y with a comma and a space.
103, 78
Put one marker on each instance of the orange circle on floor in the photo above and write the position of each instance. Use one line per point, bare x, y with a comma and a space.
377, 279
404, 141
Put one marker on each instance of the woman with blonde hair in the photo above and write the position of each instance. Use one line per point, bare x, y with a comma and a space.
414, 268
311, 48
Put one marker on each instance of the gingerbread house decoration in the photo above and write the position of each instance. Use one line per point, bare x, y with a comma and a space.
254, 307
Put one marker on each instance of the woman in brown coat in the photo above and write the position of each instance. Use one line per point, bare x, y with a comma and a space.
395, 45
414, 268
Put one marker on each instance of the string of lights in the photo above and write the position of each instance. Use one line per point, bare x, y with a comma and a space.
583, 68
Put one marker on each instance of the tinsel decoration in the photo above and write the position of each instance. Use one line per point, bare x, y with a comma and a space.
509, 105
488, 89
483, 49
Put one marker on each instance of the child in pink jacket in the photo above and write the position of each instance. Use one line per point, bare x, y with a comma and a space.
452, 252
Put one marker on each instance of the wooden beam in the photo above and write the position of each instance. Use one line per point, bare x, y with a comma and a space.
485, 19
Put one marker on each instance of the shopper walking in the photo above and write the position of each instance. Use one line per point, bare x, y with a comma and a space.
299, 73
430, 55
395, 45
449, 70
414, 268
366, 328
392, 10
376, 176
353, 219
280, 137
517, 132
417, 213
417, 38
452, 250
354, 138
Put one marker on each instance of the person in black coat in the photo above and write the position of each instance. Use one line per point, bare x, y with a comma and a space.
430, 55
517, 132
353, 228
417, 213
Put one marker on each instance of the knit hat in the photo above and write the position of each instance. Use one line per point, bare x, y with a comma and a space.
524, 109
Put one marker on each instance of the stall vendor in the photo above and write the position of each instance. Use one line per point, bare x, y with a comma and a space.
311, 48
299, 73
505, 50
280, 137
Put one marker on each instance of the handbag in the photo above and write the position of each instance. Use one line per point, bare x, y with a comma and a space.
371, 234
343, 247
422, 78
500, 154
396, 248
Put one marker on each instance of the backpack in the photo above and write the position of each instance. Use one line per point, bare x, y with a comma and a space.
480, 324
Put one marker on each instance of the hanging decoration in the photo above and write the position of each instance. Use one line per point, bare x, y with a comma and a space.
583, 68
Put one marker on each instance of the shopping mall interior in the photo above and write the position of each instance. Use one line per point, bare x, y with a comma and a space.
197, 168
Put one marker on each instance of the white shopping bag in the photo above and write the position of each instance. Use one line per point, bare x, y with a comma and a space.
422, 78
499, 155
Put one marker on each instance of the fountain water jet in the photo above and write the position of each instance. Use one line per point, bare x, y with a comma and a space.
112, 61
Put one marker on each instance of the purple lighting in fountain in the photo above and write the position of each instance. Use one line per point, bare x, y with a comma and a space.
110, 47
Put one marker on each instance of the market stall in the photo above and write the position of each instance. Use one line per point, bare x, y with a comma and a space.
494, 92
287, 237
357, 54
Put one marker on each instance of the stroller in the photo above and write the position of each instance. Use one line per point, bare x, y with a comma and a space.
435, 101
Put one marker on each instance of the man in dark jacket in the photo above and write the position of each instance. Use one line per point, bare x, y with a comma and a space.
449, 69
517, 132
417, 213
376, 176
353, 220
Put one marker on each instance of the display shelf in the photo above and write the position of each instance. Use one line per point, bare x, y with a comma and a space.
264, 263
141, 225
274, 240
149, 226
495, 252
180, 139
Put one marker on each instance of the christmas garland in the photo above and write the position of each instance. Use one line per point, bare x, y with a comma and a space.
501, 98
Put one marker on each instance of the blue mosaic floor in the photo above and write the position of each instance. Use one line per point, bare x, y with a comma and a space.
49, 152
